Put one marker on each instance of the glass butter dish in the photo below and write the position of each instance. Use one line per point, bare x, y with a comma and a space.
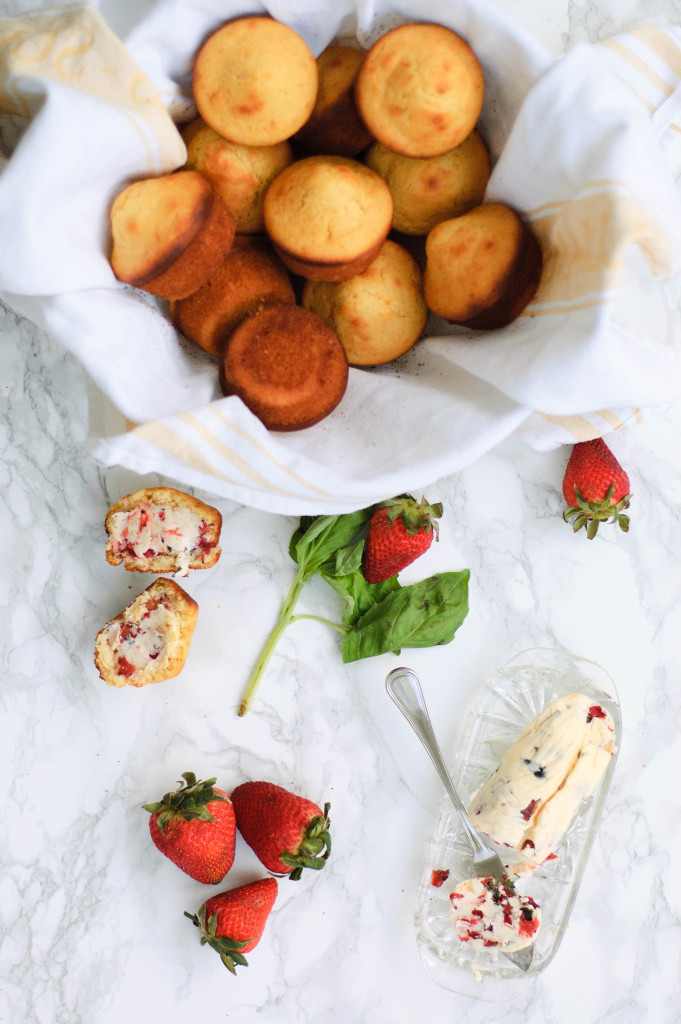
513, 697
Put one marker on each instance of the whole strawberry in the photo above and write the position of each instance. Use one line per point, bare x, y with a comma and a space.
196, 829
286, 832
400, 531
232, 922
595, 487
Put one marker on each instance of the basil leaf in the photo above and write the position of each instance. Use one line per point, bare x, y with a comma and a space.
304, 525
323, 536
344, 561
359, 595
421, 615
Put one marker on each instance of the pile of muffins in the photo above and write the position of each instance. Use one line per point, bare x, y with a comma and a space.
291, 245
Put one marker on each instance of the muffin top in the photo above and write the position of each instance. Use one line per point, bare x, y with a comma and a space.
335, 127
154, 220
420, 90
379, 314
470, 260
429, 190
240, 174
328, 208
255, 81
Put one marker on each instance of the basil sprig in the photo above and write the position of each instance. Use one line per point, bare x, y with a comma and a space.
376, 617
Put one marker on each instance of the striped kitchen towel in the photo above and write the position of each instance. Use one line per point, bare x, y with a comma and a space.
586, 146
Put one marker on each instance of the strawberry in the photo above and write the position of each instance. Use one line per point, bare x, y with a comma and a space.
595, 487
400, 531
196, 829
233, 921
286, 832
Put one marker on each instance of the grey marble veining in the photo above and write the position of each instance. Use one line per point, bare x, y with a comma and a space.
91, 915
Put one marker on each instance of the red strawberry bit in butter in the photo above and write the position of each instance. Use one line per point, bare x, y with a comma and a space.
149, 530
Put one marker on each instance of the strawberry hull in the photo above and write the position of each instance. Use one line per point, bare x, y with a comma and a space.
242, 913
285, 831
195, 828
232, 922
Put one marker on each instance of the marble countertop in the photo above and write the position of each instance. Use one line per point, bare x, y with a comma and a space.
92, 924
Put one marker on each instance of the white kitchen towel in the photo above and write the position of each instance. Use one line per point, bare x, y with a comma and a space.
575, 145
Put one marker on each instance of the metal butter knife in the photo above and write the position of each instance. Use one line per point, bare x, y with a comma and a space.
404, 688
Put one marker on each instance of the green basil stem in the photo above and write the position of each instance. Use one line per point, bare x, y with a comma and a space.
286, 617
327, 622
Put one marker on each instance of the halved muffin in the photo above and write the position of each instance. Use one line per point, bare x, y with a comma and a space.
169, 233
149, 641
161, 529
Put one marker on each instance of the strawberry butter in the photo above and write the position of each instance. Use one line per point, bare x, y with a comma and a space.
135, 644
488, 913
149, 530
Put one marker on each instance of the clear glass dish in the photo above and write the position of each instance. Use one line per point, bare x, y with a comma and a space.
512, 698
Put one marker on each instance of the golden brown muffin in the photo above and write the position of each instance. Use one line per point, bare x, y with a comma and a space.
255, 81
420, 90
287, 366
334, 126
428, 191
377, 315
161, 529
241, 174
148, 641
169, 233
482, 268
251, 278
328, 217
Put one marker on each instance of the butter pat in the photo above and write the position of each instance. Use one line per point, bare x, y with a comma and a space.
487, 913
530, 800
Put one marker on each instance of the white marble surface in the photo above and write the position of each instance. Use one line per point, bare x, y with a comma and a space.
91, 915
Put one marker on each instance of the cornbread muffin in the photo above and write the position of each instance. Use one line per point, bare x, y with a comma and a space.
149, 641
482, 268
377, 315
335, 127
328, 217
287, 366
169, 233
160, 529
427, 191
240, 174
255, 81
251, 278
420, 90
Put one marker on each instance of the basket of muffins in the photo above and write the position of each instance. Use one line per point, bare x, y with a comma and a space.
326, 208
